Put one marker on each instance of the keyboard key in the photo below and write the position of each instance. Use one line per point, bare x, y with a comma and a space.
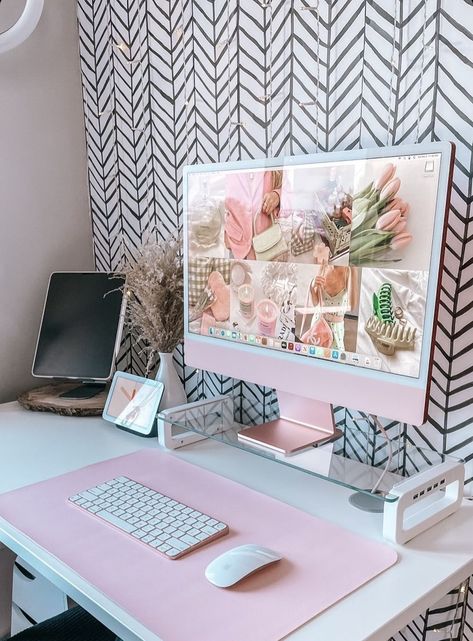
114, 520
147, 539
172, 552
208, 530
177, 543
139, 534
96, 490
163, 537
191, 540
220, 526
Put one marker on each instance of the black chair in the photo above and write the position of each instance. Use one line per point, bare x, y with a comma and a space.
74, 625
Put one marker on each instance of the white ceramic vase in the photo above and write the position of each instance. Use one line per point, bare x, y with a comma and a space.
174, 393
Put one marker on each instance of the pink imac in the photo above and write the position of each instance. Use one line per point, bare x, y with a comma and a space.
319, 276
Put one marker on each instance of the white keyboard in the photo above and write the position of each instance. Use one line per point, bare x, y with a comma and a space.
168, 526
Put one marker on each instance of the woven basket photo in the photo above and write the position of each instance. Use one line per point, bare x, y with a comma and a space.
338, 237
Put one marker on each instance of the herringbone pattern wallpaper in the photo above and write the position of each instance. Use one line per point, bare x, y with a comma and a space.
170, 82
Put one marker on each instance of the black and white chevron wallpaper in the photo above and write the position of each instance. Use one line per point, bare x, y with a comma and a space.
171, 82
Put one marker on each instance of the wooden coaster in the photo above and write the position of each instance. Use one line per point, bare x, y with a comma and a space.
47, 399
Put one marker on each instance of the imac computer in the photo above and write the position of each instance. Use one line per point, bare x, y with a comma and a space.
80, 330
319, 276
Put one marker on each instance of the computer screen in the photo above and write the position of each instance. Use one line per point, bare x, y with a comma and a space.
81, 326
328, 258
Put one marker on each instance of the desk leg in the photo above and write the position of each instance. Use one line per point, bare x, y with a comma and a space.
7, 559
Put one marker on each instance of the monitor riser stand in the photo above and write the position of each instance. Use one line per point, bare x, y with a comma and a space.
367, 502
406, 513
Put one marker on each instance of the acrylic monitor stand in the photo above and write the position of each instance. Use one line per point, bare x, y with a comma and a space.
302, 423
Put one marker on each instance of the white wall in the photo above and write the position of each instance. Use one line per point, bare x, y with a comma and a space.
44, 219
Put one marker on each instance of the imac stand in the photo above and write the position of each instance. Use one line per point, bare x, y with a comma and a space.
302, 423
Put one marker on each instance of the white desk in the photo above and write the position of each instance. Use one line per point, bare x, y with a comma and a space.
36, 446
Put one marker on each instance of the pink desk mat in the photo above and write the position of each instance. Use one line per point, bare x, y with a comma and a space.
322, 562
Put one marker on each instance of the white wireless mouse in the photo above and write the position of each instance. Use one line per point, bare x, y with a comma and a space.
238, 563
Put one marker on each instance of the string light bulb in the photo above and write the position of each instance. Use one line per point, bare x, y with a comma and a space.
122, 46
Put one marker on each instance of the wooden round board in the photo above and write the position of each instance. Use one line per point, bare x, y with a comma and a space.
47, 399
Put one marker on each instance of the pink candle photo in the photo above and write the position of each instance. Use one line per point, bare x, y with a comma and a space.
267, 313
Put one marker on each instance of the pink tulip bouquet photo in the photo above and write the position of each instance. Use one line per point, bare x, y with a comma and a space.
380, 220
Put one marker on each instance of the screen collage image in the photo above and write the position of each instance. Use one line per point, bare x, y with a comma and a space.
327, 260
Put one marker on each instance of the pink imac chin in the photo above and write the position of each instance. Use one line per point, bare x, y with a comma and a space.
365, 390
